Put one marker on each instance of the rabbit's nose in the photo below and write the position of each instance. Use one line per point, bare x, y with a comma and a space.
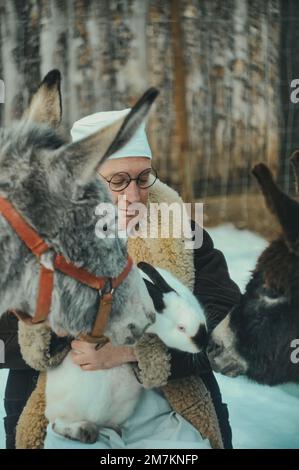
201, 337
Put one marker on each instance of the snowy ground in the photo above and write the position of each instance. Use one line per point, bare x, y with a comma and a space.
260, 416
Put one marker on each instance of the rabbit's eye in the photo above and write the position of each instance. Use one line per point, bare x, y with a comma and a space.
181, 328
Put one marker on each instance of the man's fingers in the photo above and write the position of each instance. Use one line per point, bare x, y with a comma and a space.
81, 361
78, 358
77, 344
87, 367
82, 346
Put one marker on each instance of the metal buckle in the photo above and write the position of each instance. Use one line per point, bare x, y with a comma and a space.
47, 259
111, 288
102, 291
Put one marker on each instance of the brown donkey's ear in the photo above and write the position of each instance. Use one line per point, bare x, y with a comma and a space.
86, 155
295, 164
280, 204
45, 105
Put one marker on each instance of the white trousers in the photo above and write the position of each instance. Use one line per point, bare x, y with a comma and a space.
153, 425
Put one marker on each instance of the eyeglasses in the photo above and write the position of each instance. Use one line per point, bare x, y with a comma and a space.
121, 181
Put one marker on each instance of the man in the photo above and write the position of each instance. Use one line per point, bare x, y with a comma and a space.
130, 177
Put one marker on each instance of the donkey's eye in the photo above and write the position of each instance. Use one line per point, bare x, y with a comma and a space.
181, 328
271, 293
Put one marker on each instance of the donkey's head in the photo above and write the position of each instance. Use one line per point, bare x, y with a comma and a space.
255, 338
53, 185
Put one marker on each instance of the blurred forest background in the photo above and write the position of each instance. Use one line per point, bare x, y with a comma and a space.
223, 68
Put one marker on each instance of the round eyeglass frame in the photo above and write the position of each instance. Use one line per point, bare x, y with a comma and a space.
153, 173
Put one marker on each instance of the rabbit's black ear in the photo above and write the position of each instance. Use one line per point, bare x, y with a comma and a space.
156, 295
155, 276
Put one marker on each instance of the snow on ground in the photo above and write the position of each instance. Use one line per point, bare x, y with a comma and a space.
260, 416
241, 249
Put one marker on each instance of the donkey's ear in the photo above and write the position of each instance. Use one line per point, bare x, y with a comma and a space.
45, 105
280, 204
86, 155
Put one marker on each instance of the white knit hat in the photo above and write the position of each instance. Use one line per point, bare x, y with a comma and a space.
137, 146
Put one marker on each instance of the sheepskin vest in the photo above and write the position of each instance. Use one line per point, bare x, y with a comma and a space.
189, 396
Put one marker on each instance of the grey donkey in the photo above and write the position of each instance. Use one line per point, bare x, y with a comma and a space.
53, 185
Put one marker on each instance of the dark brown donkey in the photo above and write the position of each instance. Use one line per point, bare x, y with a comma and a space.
259, 336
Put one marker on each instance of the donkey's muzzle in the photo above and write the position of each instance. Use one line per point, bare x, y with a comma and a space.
214, 348
225, 360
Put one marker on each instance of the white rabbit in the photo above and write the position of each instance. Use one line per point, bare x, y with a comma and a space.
79, 402
180, 321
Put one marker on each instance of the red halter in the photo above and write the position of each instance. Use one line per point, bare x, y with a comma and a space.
46, 281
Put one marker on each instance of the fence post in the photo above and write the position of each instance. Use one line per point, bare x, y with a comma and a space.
181, 119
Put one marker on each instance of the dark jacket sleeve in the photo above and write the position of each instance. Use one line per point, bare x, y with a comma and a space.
217, 294
213, 286
9, 335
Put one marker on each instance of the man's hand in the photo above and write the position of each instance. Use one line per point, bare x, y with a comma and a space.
88, 358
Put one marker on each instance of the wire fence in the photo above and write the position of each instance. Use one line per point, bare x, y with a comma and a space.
224, 71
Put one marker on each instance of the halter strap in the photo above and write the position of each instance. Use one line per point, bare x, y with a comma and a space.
29, 236
46, 281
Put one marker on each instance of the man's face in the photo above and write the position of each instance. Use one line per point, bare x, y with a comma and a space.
133, 193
